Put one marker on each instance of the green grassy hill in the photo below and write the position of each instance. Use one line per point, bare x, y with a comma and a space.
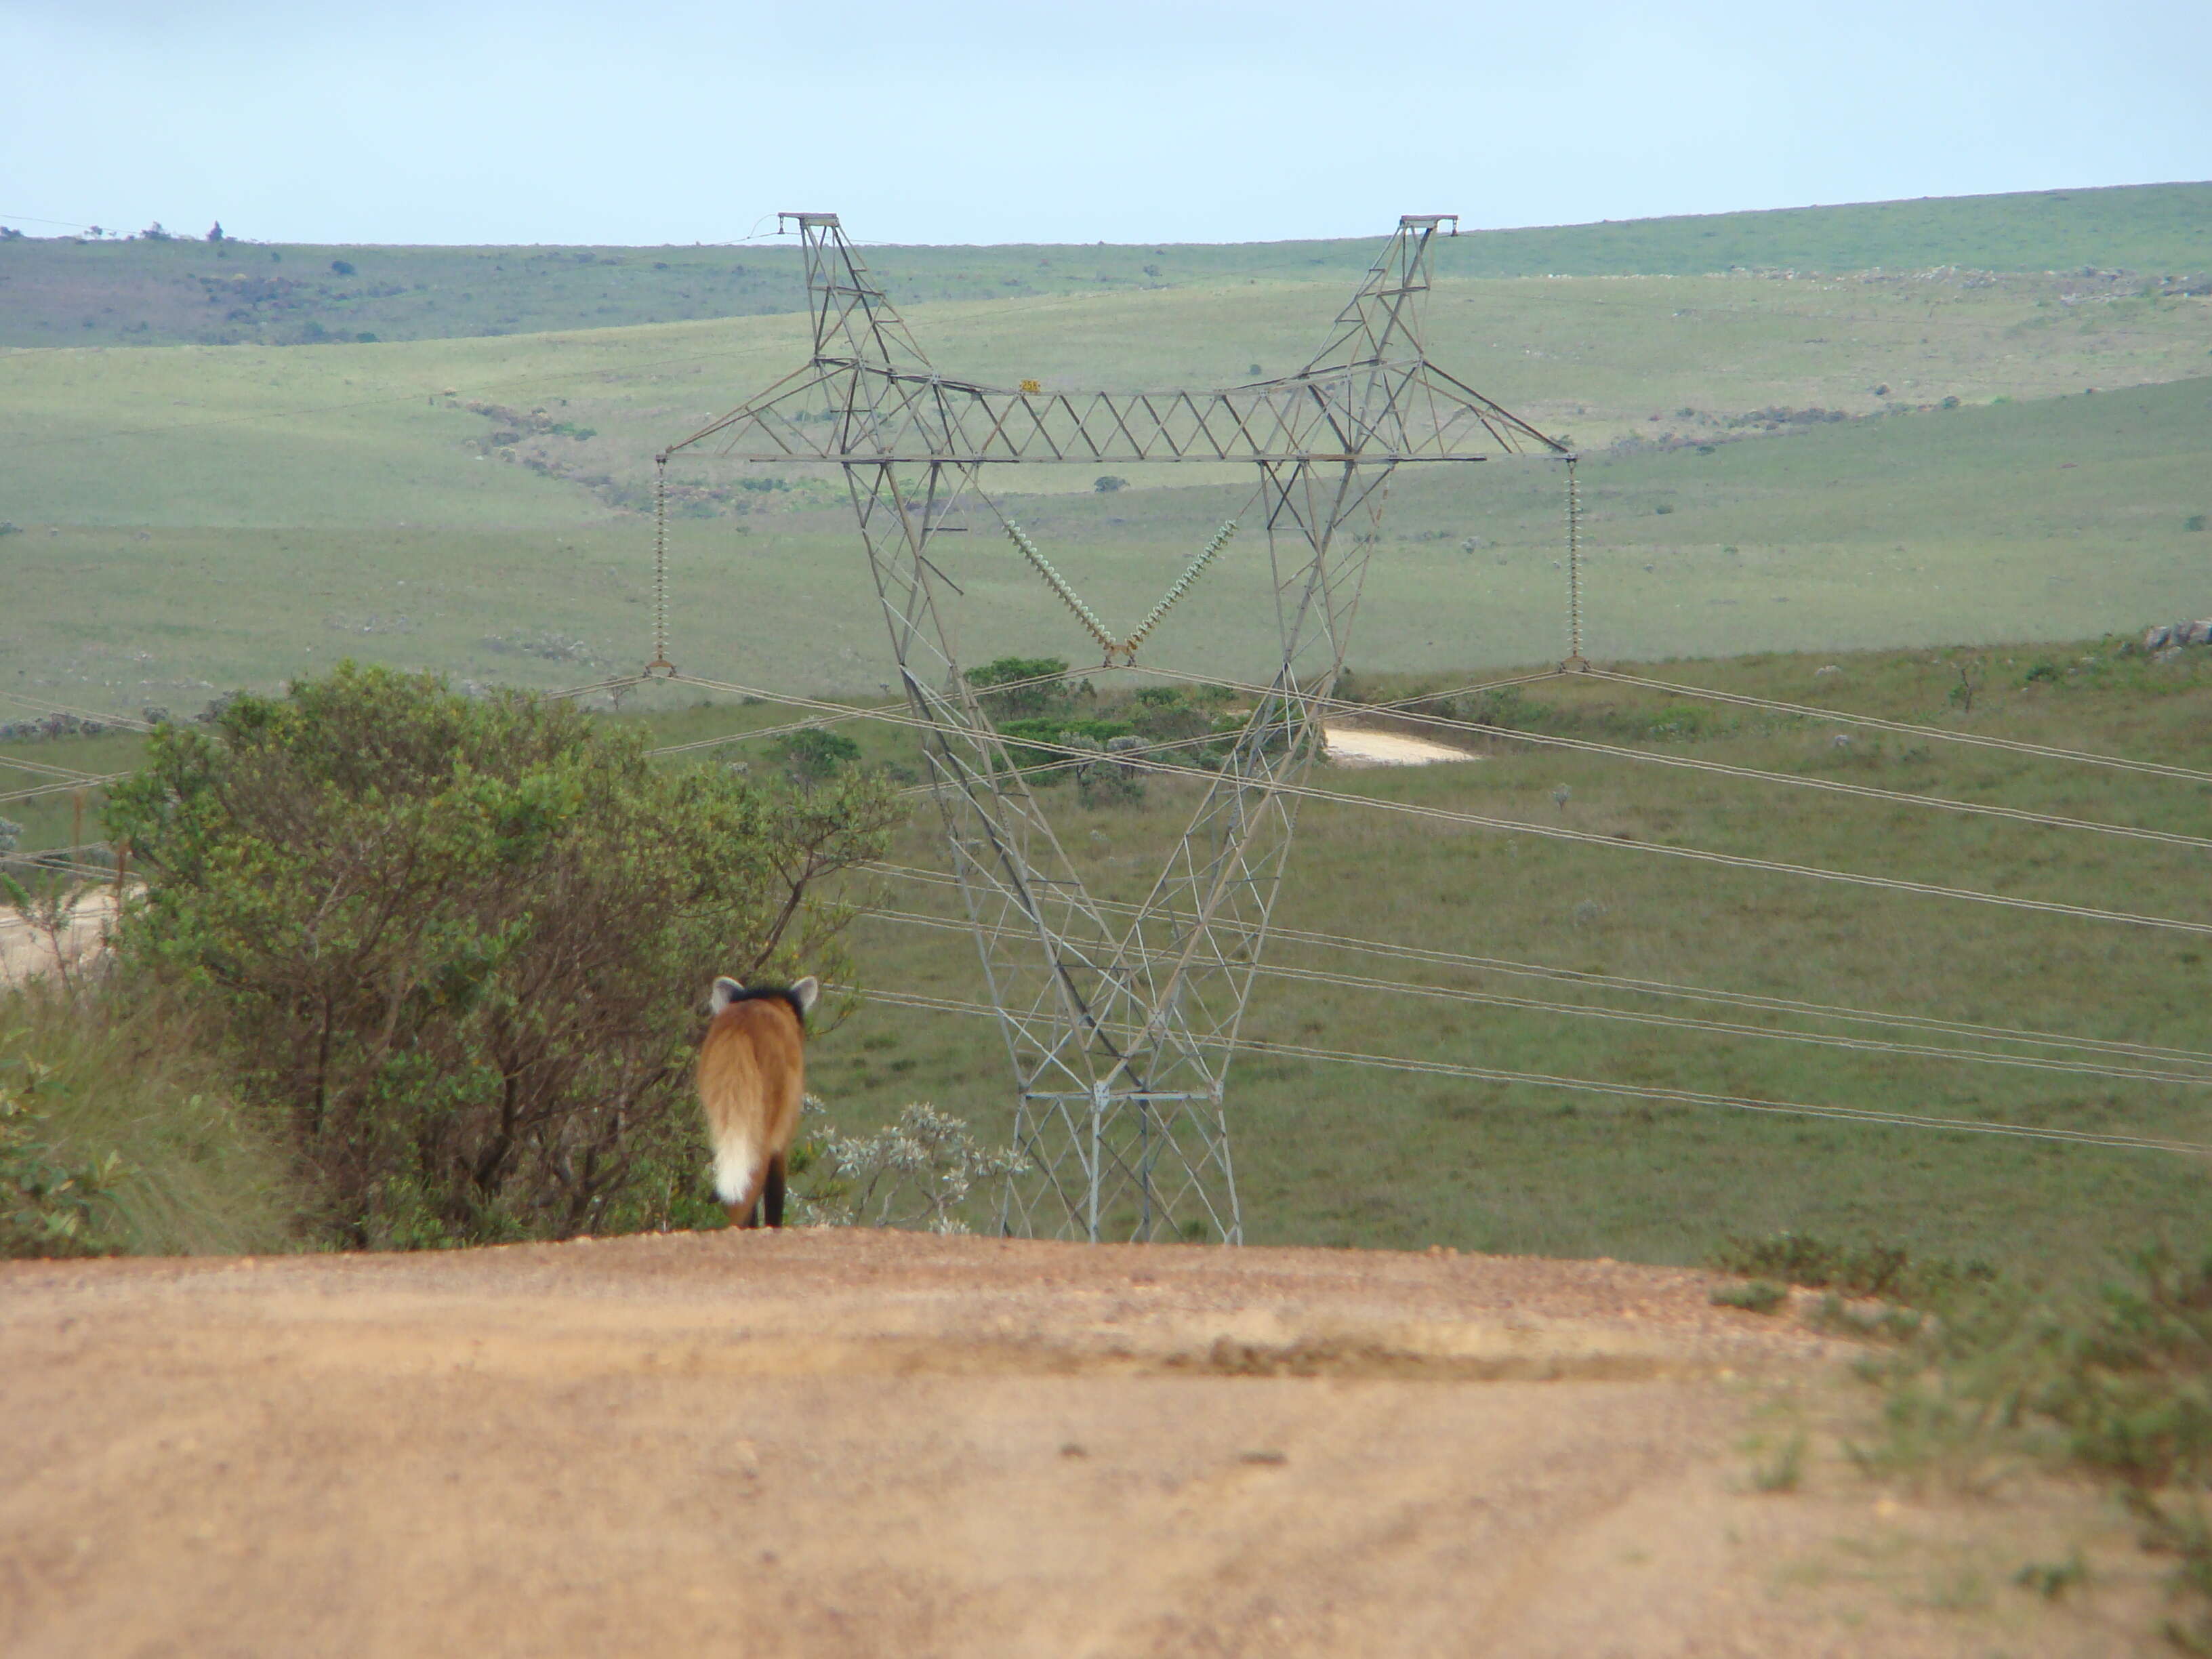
202, 517
56, 291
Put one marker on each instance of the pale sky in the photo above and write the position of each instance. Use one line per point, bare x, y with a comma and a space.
1141, 121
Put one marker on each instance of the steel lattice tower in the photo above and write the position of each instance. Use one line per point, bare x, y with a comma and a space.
1120, 1032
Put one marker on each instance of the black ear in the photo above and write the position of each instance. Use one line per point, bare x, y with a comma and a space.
808, 990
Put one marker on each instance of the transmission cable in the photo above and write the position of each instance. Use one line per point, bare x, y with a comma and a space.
1629, 1090
29, 701
1638, 986
2017, 745
1581, 1011
1618, 751
1140, 761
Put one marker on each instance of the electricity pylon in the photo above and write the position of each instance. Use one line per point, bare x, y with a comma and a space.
1121, 1031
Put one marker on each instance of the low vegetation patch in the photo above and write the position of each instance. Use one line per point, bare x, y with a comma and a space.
119, 1133
2112, 1382
1888, 1273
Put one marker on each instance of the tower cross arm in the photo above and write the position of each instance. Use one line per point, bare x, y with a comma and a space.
856, 412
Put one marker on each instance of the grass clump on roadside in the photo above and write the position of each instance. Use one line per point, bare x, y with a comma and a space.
119, 1136
1753, 1296
2113, 1383
1879, 1272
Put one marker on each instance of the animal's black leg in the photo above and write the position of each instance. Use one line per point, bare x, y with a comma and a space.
773, 1197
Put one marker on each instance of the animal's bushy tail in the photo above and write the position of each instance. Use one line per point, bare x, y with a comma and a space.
741, 1166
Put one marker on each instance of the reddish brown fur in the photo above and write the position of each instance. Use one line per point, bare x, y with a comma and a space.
752, 1076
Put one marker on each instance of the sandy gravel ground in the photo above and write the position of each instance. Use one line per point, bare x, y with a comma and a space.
27, 953
831, 1443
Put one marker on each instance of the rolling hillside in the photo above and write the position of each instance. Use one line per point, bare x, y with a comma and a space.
197, 517
64, 290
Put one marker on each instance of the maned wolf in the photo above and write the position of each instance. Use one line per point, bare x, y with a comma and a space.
752, 1076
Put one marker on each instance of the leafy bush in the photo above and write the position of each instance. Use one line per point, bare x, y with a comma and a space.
1165, 715
1062, 732
457, 944
49, 1205
1108, 780
1005, 697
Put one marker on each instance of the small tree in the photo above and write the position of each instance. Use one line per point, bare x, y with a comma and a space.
457, 944
215, 231
814, 755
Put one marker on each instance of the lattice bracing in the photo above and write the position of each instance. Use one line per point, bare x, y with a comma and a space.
1120, 1032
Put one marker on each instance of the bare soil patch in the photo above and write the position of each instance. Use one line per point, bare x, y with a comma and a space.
1357, 746
29, 952
848, 1443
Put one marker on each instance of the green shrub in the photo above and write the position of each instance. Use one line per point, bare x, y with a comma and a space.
1061, 731
457, 945
1018, 701
1756, 1295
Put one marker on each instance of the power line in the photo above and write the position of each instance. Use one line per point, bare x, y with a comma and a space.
30, 701
1584, 1011
2043, 751
1618, 751
1657, 987
1631, 1092
62, 788
478, 390
824, 721
45, 770
1139, 760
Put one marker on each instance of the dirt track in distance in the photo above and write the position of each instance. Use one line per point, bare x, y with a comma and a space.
837, 1442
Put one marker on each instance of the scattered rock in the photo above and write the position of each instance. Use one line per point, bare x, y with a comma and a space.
2162, 635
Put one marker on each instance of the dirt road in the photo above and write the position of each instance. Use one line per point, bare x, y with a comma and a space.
835, 1443
27, 953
